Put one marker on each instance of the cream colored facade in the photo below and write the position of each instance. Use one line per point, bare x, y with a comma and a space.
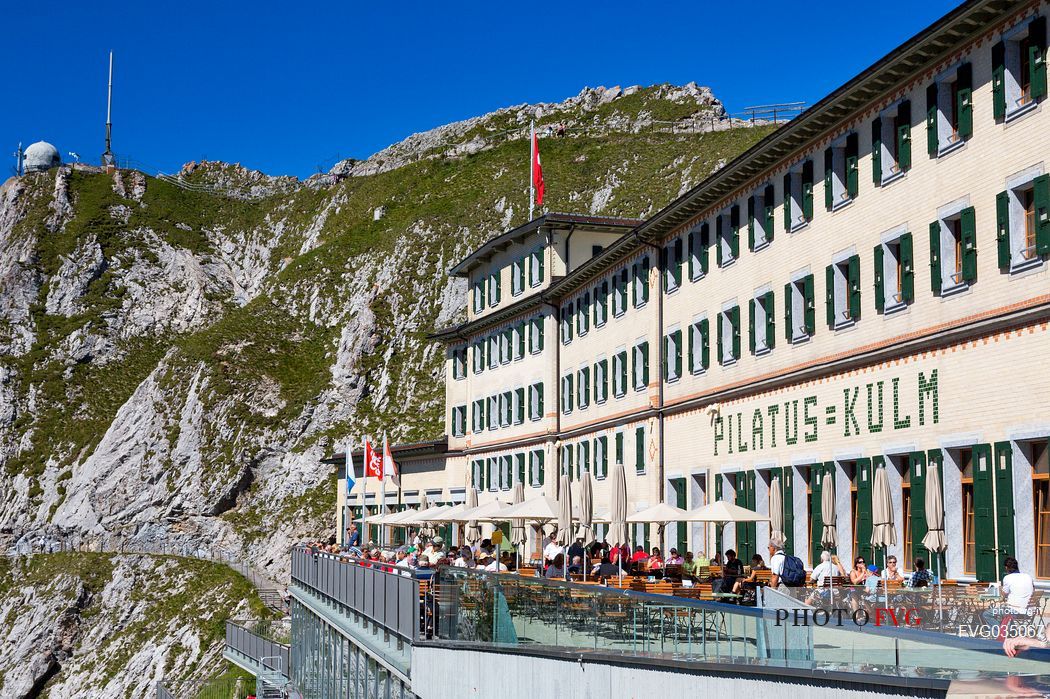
930, 357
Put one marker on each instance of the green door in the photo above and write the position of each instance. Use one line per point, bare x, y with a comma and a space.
1004, 500
864, 518
746, 532
816, 471
983, 514
935, 459
917, 476
681, 541
788, 498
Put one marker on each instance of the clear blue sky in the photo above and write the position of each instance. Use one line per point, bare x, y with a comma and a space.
286, 87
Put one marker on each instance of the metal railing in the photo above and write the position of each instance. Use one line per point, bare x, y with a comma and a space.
260, 648
388, 599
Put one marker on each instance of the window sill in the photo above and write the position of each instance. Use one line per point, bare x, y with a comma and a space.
727, 263
670, 290
696, 277
1019, 112
1019, 265
762, 351
800, 339
620, 396
949, 148
760, 246
640, 304
798, 225
845, 324
889, 178
954, 290
599, 325
841, 204
729, 362
894, 307
672, 379
698, 372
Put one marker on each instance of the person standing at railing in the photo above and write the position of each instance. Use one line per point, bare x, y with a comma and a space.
353, 537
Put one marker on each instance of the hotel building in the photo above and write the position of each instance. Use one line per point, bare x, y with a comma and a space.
866, 287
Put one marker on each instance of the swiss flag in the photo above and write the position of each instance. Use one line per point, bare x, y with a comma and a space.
537, 169
389, 467
373, 462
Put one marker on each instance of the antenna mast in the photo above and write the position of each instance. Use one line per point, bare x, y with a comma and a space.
18, 160
107, 158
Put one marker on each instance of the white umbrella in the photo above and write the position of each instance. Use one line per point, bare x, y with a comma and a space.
934, 540
776, 514
659, 515
564, 533
481, 513
424, 517
723, 511
883, 533
517, 531
424, 506
618, 507
540, 509
828, 535
586, 529
473, 533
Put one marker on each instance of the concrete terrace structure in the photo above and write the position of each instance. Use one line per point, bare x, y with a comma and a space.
866, 286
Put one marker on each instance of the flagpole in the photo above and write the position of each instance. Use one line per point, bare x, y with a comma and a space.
532, 169
364, 508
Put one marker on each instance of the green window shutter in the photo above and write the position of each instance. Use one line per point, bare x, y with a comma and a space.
969, 244
1002, 229
767, 212
788, 295
521, 404
719, 223
907, 254
645, 279
540, 457
690, 350
521, 466
677, 262
734, 231
854, 287
864, 515
829, 169
852, 165
521, 274
917, 477
677, 335
619, 447
585, 386
984, 514
499, 287
876, 151
904, 136
694, 252
521, 339
809, 297
751, 223
932, 137
635, 367
623, 370
787, 202
1004, 499
540, 255
639, 449
1037, 56
964, 100
999, 80
1041, 193
539, 333
539, 397
734, 316
880, 287
751, 326
807, 190
935, 257
770, 322
705, 344
718, 486
788, 499
829, 297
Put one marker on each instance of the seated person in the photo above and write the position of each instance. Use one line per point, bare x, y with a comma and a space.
690, 567
860, 572
576, 550
556, 570
577, 565
892, 573
674, 559
829, 566
606, 569
733, 569
507, 560
757, 564
639, 558
921, 577
655, 561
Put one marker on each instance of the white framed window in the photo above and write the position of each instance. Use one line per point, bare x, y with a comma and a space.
640, 365
727, 234
505, 346
583, 310
841, 179
479, 356
1023, 221
894, 271
953, 248
493, 342
518, 341
517, 277
673, 354
798, 196
477, 417
673, 257
494, 289
699, 345
601, 300
566, 323
459, 421
536, 458
492, 415
518, 408
843, 292
799, 308
891, 143
536, 401
566, 393
601, 457
492, 473
459, 363
536, 267
619, 372
506, 471
761, 332
620, 284
949, 110
641, 282
601, 380
1019, 69
583, 387
536, 335
583, 458
729, 334
760, 219
698, 243
479, 296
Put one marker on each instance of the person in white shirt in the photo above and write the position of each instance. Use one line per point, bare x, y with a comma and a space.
404, 563
433, 552
825, 568
551, 550
494, 566
776, 564
1017, 586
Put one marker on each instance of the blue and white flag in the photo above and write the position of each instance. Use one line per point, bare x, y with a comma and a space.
350, 474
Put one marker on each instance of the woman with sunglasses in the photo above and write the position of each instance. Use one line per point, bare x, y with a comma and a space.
860, 572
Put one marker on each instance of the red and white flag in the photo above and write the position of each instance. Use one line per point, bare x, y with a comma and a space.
389, 466
537, 169
373, 462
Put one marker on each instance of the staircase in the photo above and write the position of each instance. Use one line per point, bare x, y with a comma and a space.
270, 685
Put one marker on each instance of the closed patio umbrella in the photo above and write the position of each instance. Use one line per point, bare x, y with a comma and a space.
586, 529
883, 533
424, 505
828, 535
776, 514
473, 532
564, 533
618, 507
934, 540
517, 530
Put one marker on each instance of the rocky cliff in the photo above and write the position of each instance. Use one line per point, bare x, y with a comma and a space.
176, 355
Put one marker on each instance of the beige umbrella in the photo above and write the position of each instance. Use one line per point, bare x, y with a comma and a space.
473, 532
618, 507
586, 529
934, 540
883, 533
517, 530
828, 536
564, 533
776, 514
540, 509
424, 506
723, 511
